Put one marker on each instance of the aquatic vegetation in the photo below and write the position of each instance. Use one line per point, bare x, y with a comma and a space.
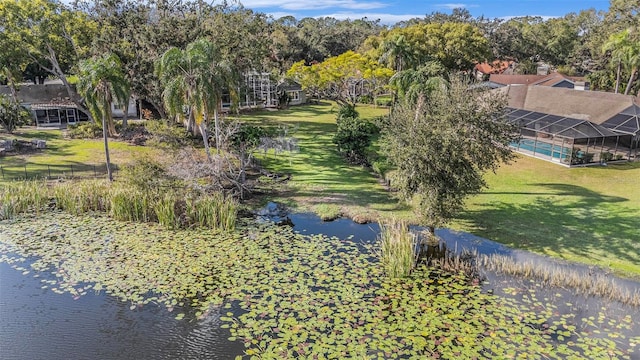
285, 295
123, 201
398, 252
19, 197
596, 283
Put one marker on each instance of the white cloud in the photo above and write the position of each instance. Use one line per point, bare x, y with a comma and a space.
451, 6
384, 18
313, 5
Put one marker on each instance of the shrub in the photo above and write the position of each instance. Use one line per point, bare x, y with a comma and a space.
383, 101
606, 156
163, 134
347, 111
353, 137
143, 174
12, 115
86, 130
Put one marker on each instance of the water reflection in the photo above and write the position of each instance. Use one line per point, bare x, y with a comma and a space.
37, 323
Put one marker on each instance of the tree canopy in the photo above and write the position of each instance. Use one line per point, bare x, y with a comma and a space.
441, 144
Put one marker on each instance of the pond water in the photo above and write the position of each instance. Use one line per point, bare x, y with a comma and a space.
36, 323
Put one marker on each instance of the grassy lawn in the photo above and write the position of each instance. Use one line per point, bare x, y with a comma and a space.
589, 215
318, 174
62, 153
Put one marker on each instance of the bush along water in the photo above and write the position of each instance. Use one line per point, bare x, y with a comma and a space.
123, 201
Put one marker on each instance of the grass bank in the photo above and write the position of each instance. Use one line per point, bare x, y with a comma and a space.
590, 215
319, 176
61, 155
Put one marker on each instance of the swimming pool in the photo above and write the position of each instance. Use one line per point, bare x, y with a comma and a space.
543, 148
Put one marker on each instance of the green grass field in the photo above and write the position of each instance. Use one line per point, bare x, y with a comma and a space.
590, 215
62, 155
319, 174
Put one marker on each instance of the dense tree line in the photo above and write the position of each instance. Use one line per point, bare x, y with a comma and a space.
46, 38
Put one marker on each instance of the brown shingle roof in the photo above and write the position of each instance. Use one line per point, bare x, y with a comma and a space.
543, 80
595, 106
496, 67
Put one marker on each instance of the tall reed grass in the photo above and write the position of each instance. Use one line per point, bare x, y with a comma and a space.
592, 283
80, 197
165, 211
214, 211
398, 253
123, 202
23, 196
132, 204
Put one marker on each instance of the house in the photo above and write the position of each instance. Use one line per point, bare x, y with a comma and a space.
260, 90
573, 127
294, 91
51, 106
551, 80
482, 71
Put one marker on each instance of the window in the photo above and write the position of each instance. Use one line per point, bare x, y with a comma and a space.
294, 95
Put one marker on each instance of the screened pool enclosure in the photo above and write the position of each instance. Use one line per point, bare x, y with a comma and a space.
572, 141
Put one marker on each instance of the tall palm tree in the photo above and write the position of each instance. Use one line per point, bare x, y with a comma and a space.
413, 84
631, 61
398, 53
194, 79
101, 80
616, 44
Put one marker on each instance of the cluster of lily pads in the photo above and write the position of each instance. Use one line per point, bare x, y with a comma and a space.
286, 295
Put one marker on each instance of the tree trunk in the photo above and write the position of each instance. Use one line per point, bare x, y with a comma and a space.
106, 147
205, 139
57, 71
618, 75
190, 123
125, 115
158, 108
631, 78
12, 86
217, 126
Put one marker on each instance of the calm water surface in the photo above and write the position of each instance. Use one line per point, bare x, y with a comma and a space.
37, 323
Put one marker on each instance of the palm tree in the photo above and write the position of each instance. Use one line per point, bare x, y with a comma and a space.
194, 79
413, 84
631, 61
626, 53
101, 81
616, 43
398, 53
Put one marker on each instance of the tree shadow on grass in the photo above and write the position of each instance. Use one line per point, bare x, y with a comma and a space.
324, 173
565, 219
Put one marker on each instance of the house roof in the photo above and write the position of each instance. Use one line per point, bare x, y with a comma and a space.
39, 94
566, 127
595, 106
608, 111
289, 85
543, 80
496, 67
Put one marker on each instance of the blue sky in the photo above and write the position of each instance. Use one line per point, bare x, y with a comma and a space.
391, 11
